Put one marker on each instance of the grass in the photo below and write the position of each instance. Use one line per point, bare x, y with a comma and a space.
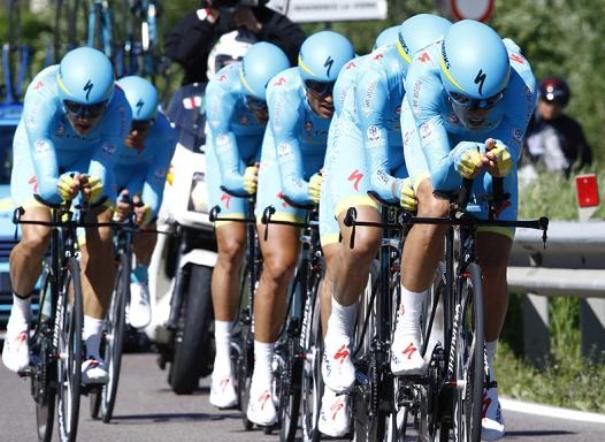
569, 379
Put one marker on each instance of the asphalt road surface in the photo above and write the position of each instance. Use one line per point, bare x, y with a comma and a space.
147, 410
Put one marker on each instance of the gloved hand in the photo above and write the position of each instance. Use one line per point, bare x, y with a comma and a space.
498, 159
408, 195
143, 215
315, 187
92, 187
251, 179
68, 186
468, 159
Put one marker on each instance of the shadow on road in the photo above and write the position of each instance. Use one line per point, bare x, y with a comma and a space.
538, 433
171, 417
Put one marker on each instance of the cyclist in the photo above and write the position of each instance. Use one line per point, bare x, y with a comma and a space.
366, 153
237, 115
73, 121
140, 169
473, 96
300, 106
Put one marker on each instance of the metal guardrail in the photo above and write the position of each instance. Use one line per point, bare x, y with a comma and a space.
572, 264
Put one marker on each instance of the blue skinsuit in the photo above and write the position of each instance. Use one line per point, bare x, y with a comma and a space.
432, 130
46, 145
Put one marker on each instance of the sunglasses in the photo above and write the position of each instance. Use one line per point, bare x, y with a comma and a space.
140, 126
255, 104
472, 103
85, 110
320, 88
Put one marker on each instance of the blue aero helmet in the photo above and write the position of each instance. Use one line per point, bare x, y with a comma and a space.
419, 31
474, 62
387, 37
322, 56
262, 62
85, 77
142, 97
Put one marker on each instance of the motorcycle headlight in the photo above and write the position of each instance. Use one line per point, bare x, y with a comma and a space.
198, 194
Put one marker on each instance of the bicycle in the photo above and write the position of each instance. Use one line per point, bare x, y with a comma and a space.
102, 400
143, 15
242, 344
65, 26
100, 27
290, 349
449, 397
56, 342
15, 57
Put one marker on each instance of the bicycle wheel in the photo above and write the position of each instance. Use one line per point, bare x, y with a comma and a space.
244, 343
69, 363
43, 362
312, 382
289, 378
469, 358
114, 338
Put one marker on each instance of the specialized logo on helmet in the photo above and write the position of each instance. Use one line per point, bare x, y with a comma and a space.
480, 79
87, 88
328, 64
139, 106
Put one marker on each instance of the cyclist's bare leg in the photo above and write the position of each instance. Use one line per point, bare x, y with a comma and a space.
352, 265
98, 267
422, 251
493, 251
143, 244
330, 251
231, 240
424, 245
26, 257
280, 253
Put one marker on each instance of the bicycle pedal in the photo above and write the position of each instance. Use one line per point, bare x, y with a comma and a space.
27, 371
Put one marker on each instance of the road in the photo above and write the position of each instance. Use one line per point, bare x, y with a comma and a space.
147, 410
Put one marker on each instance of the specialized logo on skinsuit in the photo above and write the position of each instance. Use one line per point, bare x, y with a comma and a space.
139, 107
226, 199
355, 177
517, 58
480, 79
328, 64
39, 85
377, 57
34, 182
284, 203
350, 65
341, 354
424, 57
87, 88
280, 81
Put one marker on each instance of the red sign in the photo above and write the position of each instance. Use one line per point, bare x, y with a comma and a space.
587, 190
480, 10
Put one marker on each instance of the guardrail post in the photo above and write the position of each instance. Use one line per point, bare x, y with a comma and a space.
536, 337
592, 327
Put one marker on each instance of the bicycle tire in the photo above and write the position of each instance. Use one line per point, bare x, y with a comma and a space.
244, 343
289, 379
467, 420
312, 382
193, 332
114, 338
70, 320
44, 368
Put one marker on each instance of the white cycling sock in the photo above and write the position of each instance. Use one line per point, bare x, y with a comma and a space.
263, 360
342, 318
92, 336
410, 308
20, 313
222, 339
490, 350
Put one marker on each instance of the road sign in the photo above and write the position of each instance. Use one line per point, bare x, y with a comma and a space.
307, 11
480, 10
